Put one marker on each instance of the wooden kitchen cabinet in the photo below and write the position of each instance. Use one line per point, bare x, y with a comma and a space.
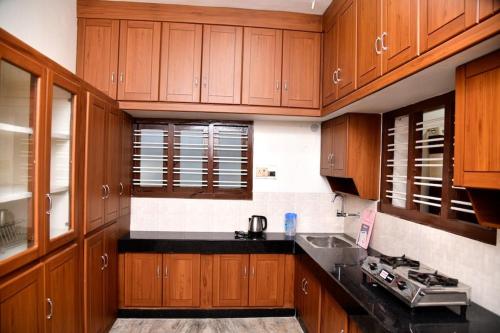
333, 316
330, 56
477, 115
307, 297
61, 291
139, 64
142, 280
230, 280
222, 58
262, 60
97, 61
180, 62
111, 236
350, 154
181, 280
112, 164
301, 69
22, 302
126, 164
487, 8
346, 72
267, 277
441, 20
369, 42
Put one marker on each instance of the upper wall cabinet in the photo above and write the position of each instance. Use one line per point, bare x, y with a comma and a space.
441, 20
301, 69
180, 62
98, 53
330, 53
369, 32
350, 154
139, 65
22, 96
222, 57
262, 67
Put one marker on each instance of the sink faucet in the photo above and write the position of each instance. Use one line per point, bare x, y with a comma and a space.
342, 213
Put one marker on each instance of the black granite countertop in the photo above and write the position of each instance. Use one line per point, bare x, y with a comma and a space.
386, 312
203, 242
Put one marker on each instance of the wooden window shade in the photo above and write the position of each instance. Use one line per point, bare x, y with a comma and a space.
417, 170
192, 159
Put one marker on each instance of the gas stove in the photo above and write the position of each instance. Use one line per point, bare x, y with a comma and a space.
415, 284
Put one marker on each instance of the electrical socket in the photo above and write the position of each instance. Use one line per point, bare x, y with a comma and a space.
262, 172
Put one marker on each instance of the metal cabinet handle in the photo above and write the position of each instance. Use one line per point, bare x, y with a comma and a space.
103, 263
205, 81
106, 260
338, 75
112, 77
252, 272
121, 189
166, 271
384, 45
104, 191
245, 271
51, 308
285, 85
122, 76
377, 41
277, 85
333, 160
302, 284
49, 198
108, 191
158, 271
196, 81
334, 77
305, 287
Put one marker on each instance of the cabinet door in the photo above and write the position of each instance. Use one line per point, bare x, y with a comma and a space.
63, 100
441, 20
181, 283
111, 236
330, 55
94, 283
399, 36
333, 317
143, 279
477, 115
298, 287
311, 302
22, 82
113, 164
326, 148
346, 73
139, 64
126, 164
262, 67
267, 279
230, 280
339, 155
180, 62
222, 57
369, 43
98, 53
95, 150
61, 283
301, 57
21, 302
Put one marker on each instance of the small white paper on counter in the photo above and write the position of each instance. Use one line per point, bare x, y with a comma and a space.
365, 232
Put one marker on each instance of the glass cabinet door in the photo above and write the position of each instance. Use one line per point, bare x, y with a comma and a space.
20, 80
61, 113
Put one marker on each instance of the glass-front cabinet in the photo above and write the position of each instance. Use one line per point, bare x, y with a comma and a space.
62, 103
22, 83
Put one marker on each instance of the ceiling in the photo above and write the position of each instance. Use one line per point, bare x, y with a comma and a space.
298, 6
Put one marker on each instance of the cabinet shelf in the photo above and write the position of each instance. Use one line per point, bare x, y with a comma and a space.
60, 136
15, 129
59, 189
13, 193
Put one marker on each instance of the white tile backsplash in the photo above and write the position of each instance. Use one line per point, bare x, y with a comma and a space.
474, 263
316, 213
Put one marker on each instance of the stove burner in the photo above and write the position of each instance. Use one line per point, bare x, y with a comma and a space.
245, 235
432, 279
399, 261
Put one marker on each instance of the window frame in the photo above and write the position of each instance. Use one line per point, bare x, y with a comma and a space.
411, 212
195, 193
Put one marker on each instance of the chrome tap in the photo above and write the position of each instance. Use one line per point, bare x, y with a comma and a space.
342, 213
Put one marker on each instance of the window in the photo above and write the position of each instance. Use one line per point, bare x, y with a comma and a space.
417, 169
192, 159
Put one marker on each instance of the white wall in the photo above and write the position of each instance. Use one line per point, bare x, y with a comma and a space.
292, 149
49, 26
474, 263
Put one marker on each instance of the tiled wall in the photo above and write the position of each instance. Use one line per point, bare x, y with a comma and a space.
316, 213
474, 263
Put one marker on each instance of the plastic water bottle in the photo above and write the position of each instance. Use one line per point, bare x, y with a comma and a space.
290, 224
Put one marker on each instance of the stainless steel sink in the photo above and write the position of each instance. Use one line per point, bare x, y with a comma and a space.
329, 242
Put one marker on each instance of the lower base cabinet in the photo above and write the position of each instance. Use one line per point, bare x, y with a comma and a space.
307, 297
222, 281
42, 298
333, 317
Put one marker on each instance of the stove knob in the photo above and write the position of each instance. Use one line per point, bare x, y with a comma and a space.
373, 266
401, 285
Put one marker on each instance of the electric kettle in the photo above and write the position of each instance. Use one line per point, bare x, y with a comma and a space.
256, 225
